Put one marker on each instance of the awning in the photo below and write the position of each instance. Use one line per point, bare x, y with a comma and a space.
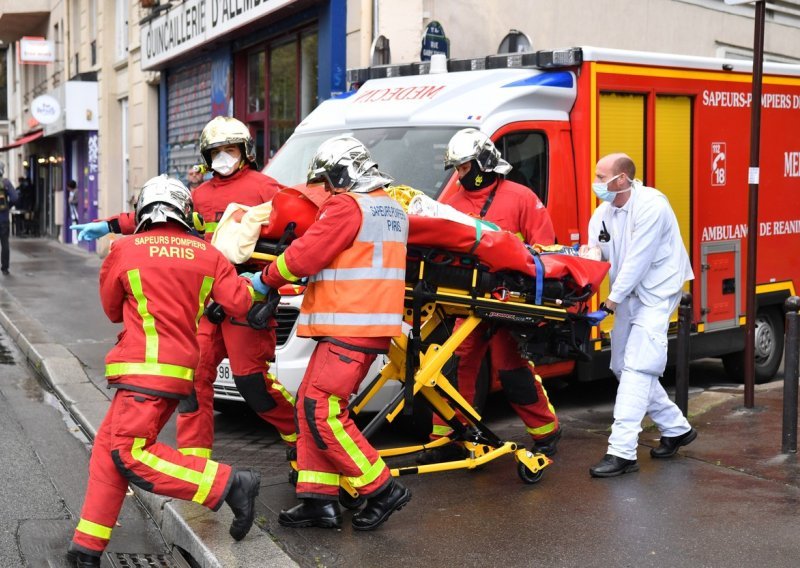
30, 137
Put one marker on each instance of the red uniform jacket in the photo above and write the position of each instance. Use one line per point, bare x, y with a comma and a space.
247, 187
515, 208
335, 229
157, 283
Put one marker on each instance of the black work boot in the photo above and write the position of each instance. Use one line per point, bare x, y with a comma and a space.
379, 507
241, 498
320, 513
547, 445
82, 559
669, 445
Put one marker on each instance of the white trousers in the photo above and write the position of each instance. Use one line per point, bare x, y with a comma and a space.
638, 359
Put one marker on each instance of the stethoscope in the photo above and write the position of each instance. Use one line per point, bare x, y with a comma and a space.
604, 235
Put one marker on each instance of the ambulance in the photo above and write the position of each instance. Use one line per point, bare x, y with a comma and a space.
684, 120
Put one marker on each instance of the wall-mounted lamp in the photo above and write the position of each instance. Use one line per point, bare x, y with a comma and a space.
25, 163
40, 160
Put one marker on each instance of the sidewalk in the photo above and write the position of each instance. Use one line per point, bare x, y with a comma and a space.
49, 306
730, 497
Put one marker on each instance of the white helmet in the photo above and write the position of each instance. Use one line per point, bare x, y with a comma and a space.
344, 162
225, 130
163, 198
471, 144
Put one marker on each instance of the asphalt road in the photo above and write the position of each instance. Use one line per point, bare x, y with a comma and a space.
44, 468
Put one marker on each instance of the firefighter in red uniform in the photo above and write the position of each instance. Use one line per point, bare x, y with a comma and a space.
227, 149
156, 283
354, 256
486, 194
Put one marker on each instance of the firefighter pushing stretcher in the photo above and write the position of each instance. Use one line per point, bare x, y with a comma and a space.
487, 195
156, 283
228, 150
354, 256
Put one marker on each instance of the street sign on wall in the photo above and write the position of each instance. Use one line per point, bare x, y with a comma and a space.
434, 41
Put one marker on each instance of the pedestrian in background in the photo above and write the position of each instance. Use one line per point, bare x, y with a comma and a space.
72, 200
153, 284
8, 197
354, 256
194, 177
637, 232
25, 205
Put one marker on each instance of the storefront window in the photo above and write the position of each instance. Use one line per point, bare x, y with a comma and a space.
309, 71
255, 82
283, 74
282, 94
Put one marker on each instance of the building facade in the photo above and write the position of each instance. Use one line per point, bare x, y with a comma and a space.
134, 81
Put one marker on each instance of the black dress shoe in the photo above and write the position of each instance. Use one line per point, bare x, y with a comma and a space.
381, 506
611, 466
447, 453
312, 513
548, 444
669, 445
241, 498
82, 560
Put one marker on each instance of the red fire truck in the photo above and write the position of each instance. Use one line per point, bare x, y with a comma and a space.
685, 121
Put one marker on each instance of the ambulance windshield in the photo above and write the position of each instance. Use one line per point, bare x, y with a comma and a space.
412, 156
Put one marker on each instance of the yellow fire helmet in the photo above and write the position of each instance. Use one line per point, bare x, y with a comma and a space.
222, 131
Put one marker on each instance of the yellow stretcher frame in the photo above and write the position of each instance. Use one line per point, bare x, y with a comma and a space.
430, 306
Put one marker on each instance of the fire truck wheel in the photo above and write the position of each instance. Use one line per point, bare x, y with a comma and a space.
768, 348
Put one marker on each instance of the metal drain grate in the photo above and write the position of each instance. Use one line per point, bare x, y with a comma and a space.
135, 560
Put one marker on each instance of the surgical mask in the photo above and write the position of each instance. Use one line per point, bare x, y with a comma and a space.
602, 192
224, 164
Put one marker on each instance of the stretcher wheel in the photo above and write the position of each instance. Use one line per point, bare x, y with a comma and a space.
527, 475
349, 502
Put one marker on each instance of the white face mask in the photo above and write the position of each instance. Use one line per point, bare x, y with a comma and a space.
224, 164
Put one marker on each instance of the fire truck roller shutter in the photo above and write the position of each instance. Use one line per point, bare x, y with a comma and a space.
621, 128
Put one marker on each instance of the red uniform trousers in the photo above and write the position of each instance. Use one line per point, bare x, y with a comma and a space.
522, 386
125, 451
329, 443
249, 351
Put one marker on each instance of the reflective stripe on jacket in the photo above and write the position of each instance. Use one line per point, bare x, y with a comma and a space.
157, 283
360, 294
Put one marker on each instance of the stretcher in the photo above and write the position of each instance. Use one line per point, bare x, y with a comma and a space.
457, 271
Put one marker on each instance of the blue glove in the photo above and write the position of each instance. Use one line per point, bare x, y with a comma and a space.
595, 318
258, 284
91, 231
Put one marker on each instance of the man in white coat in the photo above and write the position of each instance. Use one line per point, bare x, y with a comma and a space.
637, 232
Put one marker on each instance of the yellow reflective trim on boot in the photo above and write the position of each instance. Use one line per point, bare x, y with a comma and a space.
93, 529
197, 452
368, 470
275, 384
441, 431
542, 430
318, 477
371, 475
158, 369
205, 290
148, 321
160, 465
207, 481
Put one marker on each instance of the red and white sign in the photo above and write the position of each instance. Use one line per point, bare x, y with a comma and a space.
719, 171
35, 50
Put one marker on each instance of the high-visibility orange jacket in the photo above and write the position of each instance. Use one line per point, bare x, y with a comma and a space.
247, 187
513, 208
359, 290
157, 283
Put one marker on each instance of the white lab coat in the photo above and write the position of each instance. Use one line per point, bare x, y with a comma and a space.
649, 266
